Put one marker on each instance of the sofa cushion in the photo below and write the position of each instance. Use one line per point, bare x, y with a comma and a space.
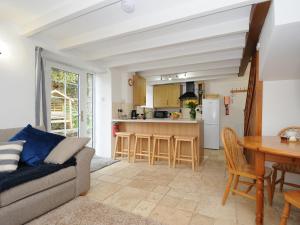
66, 149
38, 144
10, 155
27, 189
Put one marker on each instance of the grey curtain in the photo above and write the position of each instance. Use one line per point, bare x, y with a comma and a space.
40, 90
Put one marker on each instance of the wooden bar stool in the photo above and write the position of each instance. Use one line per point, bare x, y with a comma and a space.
291, 198
157, 153
138, 150
178, 156
120, 138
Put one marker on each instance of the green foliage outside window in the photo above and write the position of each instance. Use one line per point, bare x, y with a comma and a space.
65, 119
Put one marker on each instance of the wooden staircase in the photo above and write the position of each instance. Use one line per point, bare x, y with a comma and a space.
253, 108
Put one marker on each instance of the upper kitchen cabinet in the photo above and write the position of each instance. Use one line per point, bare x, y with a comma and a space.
166, 96
139, 90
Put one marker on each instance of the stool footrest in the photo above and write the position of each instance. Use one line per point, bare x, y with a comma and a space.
160, 157
141, 154
185, 156
123, 153
184, 159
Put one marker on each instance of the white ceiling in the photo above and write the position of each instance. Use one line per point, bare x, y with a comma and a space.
160, 37
24, 11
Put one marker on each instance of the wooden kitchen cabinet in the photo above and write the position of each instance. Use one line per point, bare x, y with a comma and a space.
159, 96
166, 96
139, 90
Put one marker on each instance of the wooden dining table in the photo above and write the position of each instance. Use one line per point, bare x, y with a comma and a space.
268, 148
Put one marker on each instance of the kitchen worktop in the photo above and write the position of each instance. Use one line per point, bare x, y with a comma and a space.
156, 120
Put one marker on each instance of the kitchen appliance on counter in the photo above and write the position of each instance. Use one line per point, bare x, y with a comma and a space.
134, 114
211, 117
161, 114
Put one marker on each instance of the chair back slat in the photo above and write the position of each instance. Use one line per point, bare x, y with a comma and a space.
233, 152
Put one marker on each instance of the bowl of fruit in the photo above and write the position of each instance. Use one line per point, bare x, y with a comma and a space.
175, 115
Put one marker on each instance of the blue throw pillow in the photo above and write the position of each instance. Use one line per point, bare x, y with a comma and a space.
38, 144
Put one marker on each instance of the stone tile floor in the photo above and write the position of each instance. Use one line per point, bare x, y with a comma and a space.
179, 196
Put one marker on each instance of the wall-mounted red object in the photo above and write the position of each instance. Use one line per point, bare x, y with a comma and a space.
226, 103
115, 129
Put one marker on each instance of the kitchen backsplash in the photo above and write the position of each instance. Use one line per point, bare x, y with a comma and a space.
185, 112
126, 107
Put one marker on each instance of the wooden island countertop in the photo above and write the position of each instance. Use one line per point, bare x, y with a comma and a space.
176, 127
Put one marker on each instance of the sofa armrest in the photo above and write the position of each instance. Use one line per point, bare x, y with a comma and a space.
83, 160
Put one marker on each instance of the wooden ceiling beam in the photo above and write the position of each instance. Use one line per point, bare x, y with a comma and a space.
258, 15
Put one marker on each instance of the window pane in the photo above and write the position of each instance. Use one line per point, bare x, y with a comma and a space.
89, 108
59, 132
72, 78
74, 121
89, 121
59, 87
58, 75
90, 78
89, 92
72, 133
57, 126
64, 102
74, 106
72, 91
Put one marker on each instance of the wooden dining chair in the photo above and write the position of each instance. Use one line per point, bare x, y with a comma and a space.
291, 198
284, 167
238, 167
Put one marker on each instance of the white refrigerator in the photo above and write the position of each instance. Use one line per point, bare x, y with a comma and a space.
211, 117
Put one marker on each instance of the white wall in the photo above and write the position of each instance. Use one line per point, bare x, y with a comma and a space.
281, 105
281, 108
112, 92
122, 93
236, 108
279, 42
17, 78
149, 96
286, 11
103, 114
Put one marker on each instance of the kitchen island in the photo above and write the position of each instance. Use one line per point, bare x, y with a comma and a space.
176, 127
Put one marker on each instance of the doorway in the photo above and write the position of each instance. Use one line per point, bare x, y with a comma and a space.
71, 95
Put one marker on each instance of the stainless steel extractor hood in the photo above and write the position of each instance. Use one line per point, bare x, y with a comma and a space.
190, 92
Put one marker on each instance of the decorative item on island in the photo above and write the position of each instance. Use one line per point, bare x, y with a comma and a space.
192, 104
175, 115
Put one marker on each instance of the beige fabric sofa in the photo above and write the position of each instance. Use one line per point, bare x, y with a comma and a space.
25, 202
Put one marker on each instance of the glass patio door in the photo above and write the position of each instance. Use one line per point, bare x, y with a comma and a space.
64, 102
71, 101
